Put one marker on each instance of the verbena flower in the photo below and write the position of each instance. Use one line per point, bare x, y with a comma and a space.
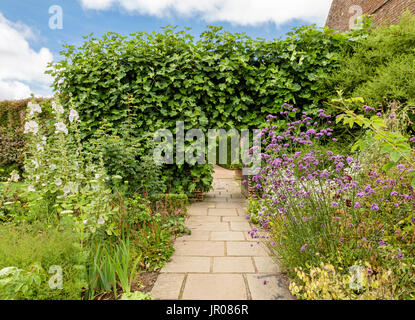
368, 109
374, 207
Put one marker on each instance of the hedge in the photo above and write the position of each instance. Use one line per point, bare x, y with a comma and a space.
222, 80
12, 117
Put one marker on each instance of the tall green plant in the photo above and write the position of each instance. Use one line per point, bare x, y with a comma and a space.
125, 268
112, 264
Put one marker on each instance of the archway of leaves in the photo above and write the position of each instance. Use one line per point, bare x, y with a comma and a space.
221, 80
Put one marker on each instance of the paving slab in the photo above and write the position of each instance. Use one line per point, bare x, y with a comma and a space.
267, 287
219, 260
230, 205
209, 226
196, 235
197, 211
200, 248
230, 219
243, 212
185, 264
226, 212
167, 287
215, 287
227, 236
265, 265
198, 219
203, 205
245, 248
233, 264
240, 226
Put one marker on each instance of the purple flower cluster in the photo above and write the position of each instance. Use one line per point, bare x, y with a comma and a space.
300, 185
367, 109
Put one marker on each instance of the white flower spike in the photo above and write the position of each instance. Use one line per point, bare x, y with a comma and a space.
61, 127
31, 127
73, 116
58, 109
34, 108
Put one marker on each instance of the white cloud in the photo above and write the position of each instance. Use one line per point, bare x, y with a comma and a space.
243, 12
21, 67
13, 90
97, 4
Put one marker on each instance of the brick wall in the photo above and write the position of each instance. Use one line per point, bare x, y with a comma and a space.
343, 12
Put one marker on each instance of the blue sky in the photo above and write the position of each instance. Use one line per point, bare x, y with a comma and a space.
27, 42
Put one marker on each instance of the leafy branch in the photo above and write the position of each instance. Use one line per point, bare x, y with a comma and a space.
394, 144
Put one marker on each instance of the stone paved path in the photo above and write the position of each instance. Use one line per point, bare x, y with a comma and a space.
219, 260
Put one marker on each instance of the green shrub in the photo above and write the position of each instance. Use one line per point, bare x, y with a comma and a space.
158, 79
254, 207
12, 113
170, 203
34, 250
11, 152
154, 242
380, 68
132, 161
394, 82
153, 226
12, 142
